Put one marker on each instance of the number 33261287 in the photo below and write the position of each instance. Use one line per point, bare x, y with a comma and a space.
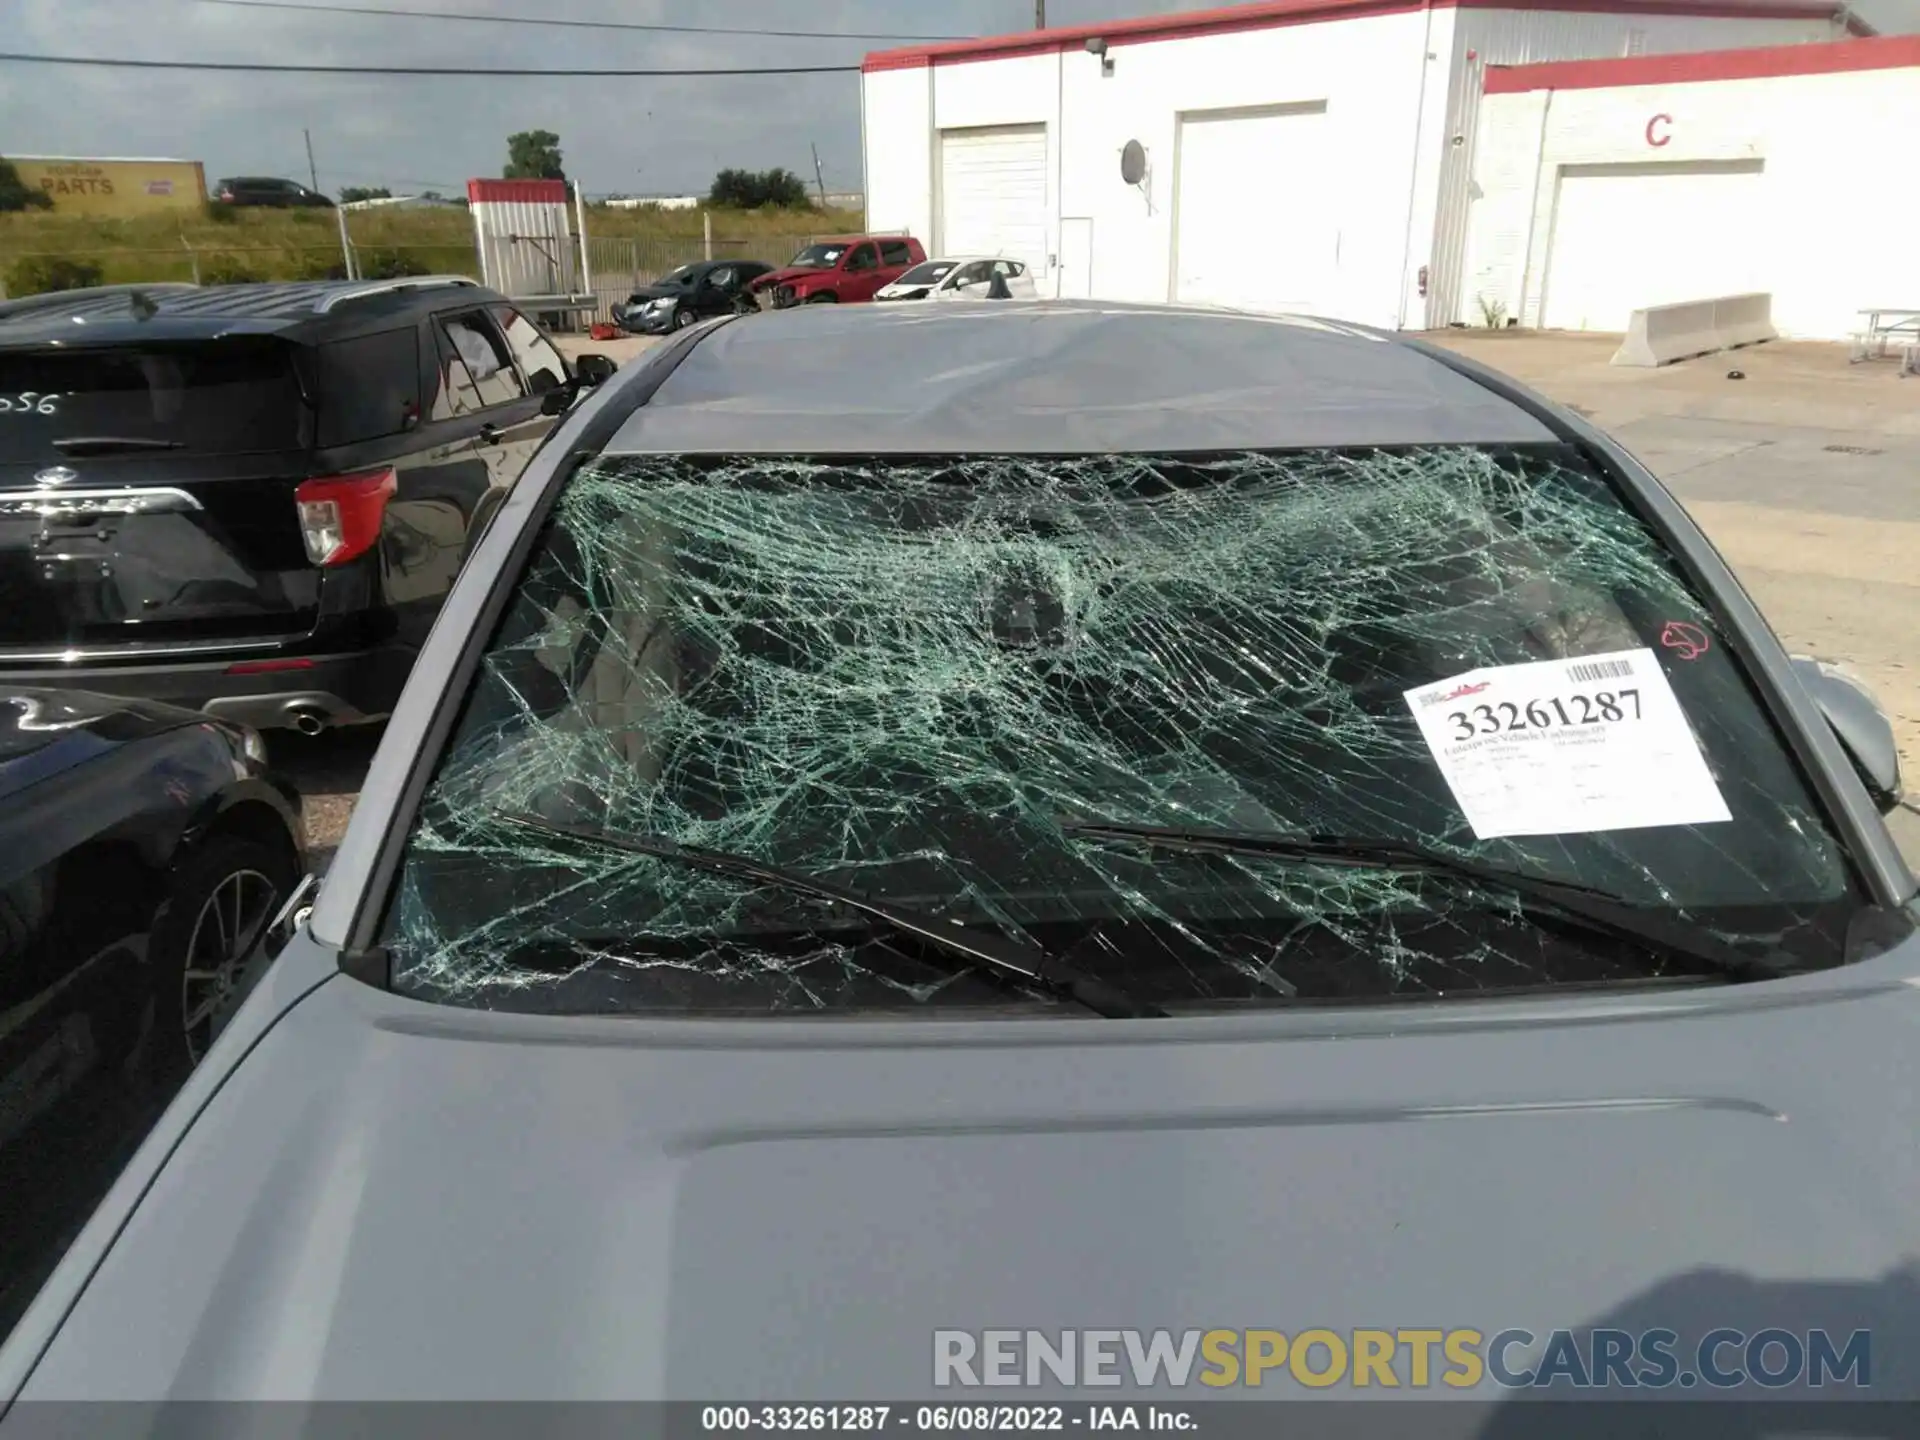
1600, 708
29, 403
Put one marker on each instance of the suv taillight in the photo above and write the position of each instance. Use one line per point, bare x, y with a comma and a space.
340, 515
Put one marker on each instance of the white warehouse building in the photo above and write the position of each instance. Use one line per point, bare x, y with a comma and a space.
1607, 186
1305, 155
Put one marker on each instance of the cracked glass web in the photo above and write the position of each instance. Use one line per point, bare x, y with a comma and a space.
902, 675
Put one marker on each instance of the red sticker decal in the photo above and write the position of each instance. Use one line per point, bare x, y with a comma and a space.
1690, 642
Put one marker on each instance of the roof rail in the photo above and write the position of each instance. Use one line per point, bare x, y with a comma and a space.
334, 298
50, 299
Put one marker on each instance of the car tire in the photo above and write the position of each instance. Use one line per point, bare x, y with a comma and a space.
683, 318
825, 297
229, 889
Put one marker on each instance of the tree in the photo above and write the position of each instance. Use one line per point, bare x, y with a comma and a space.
754, 189
533, 155
16, 194
351, 193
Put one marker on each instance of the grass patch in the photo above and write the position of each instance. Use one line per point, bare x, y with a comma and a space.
265, 244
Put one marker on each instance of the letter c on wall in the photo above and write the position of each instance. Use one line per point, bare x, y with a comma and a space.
1655, 122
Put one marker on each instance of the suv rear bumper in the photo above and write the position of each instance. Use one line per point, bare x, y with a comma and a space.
325, 692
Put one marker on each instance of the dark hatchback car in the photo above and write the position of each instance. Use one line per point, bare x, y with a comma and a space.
691, 294
267, 190
143, 851
252, 499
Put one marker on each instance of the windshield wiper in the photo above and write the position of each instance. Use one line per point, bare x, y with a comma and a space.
108, 444
1586, 907
1009, 959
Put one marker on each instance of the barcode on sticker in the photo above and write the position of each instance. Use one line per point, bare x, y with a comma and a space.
1601, 670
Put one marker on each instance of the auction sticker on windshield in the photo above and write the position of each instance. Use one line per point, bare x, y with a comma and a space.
1563, 747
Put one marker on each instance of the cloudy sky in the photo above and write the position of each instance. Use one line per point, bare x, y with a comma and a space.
631, 136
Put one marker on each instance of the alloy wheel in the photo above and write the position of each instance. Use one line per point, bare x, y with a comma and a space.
230, 924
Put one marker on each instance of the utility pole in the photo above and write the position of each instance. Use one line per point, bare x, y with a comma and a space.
1039, 14
339, 215
818, 178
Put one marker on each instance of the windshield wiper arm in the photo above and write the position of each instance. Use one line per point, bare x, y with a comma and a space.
1588, 908
1009, 959
107, 444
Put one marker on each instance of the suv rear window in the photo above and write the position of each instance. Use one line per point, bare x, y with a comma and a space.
895, 252
368, 387
209, 397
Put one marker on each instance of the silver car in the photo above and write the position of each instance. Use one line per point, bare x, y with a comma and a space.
1126, 820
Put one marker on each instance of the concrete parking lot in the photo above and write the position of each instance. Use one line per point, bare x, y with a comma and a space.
1805, 473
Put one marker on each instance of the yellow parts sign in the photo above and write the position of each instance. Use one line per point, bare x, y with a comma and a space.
118, 189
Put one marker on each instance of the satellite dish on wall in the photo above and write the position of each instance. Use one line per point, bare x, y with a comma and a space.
1133, 162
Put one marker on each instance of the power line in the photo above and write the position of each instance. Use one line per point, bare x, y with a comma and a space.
511, 73
389, 14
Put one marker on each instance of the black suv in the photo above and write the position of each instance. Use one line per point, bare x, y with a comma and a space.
266, 190
252, 499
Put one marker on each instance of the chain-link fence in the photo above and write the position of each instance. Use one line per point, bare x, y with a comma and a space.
26, 272
618, 264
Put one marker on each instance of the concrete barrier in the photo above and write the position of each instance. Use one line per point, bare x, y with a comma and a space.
1662, 334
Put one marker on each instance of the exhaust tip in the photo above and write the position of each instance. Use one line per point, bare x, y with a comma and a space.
307, 720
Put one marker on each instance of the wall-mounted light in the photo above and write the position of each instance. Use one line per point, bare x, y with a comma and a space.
1097, 46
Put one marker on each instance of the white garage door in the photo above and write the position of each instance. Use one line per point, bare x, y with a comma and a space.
1253, 223
993, 193
1628, 236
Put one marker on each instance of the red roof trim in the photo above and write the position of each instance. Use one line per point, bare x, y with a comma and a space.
525, 192
1267, 14
1888, 52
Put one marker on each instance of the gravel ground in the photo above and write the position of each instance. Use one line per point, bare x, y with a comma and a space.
327, 769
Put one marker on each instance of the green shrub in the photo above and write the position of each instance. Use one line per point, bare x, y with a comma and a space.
16, 194
390, 265
223, 214
229, 270
318, 265
41, 274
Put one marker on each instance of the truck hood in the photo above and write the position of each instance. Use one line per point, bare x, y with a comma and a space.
789, 275
389, 1200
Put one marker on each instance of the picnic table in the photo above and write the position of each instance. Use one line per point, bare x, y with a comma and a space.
1886, 325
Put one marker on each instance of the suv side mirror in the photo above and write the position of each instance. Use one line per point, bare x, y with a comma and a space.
592, 369
1859, 724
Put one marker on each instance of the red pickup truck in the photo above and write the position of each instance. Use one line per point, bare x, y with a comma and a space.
840, 270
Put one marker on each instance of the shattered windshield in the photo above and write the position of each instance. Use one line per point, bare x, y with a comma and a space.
914, 677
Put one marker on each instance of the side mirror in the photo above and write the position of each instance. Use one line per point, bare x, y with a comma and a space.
1859, 724
592, 370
